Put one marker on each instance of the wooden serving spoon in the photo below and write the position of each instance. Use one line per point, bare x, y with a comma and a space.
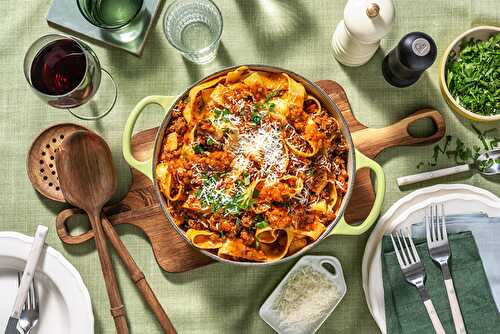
88, 181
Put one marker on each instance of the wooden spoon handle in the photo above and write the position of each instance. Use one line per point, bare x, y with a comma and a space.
138, 278
115, 300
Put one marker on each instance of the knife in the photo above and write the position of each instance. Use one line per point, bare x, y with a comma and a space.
29, 271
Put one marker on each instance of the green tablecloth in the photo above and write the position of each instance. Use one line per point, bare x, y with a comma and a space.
293, 34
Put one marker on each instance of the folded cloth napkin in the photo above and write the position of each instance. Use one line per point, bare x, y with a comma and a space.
405, 313
486, 232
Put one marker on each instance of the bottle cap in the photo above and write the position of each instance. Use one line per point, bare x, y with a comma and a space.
404, 64
369, 20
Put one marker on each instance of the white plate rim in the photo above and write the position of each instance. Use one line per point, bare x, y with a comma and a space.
53, 261
403, 208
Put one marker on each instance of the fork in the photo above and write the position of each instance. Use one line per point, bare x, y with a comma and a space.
439, 250
414, 272
30, 313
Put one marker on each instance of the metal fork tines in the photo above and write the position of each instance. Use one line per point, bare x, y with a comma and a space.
439, 250
30, 313
414, 272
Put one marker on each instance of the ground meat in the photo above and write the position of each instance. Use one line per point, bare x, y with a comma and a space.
179, 125
195, 224
278, 217
278, 192
247, 237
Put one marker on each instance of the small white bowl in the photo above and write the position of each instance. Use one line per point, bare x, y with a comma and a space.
482, 33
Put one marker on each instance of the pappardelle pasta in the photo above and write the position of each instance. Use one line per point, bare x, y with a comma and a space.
252, 167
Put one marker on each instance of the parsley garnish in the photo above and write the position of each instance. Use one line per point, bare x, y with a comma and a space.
221, 113
461, 153
260, 222
270, 95
256, 117
210, 141
472, 75
219, 199
198, 149
246, 179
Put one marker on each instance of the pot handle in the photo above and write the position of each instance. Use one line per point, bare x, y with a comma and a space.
145, 167
345, 229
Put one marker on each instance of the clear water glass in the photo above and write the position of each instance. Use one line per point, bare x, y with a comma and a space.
194, 27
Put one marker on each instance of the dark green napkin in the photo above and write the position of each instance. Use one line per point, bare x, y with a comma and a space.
404, 311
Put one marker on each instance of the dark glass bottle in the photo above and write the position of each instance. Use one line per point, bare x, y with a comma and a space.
404, 65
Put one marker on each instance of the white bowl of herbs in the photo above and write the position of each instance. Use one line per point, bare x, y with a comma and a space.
469, 75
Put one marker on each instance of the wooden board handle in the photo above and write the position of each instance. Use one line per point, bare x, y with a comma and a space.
371, 141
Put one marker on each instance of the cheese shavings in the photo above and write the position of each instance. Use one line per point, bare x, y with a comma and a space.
305, 299
265, 146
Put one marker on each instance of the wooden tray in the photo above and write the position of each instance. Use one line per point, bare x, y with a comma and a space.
141, 209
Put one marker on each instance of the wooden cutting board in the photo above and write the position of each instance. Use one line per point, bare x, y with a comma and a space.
141, 209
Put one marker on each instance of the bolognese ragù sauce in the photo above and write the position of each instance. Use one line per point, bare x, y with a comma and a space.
252, 167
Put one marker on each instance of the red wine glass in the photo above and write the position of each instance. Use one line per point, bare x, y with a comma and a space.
66, 73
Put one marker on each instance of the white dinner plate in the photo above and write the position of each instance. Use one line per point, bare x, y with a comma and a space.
63, 298
459, 199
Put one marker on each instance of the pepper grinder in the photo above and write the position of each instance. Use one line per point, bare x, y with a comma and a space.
404, 65
357, 37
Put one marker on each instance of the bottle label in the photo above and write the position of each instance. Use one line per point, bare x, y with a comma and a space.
421, 47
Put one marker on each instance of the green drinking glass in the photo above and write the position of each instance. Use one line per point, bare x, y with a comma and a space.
110, 14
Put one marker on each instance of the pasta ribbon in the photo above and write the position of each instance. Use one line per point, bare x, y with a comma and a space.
171, 142
204, 239
326, 207
236, 249
193, 204
268, 81
295, 95
164, 178
313, 234
266, 235
297, 244
193, 93
279, 248
236, 75
187, 148
301, 153
310, 97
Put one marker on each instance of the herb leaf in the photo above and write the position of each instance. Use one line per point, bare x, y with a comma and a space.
472, 75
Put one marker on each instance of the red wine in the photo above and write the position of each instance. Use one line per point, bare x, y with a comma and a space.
59, 67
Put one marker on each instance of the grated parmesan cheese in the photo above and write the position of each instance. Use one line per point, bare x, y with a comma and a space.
305, 299
267, 147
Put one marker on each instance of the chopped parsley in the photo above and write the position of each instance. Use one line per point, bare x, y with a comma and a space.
221, 113
256, 117
461, 153
210, 141
198, 149
271, 94
230, 202
260, 222
267, 105
472, 75
246, 179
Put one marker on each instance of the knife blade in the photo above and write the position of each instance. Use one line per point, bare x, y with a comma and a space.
12, 326
29, 272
